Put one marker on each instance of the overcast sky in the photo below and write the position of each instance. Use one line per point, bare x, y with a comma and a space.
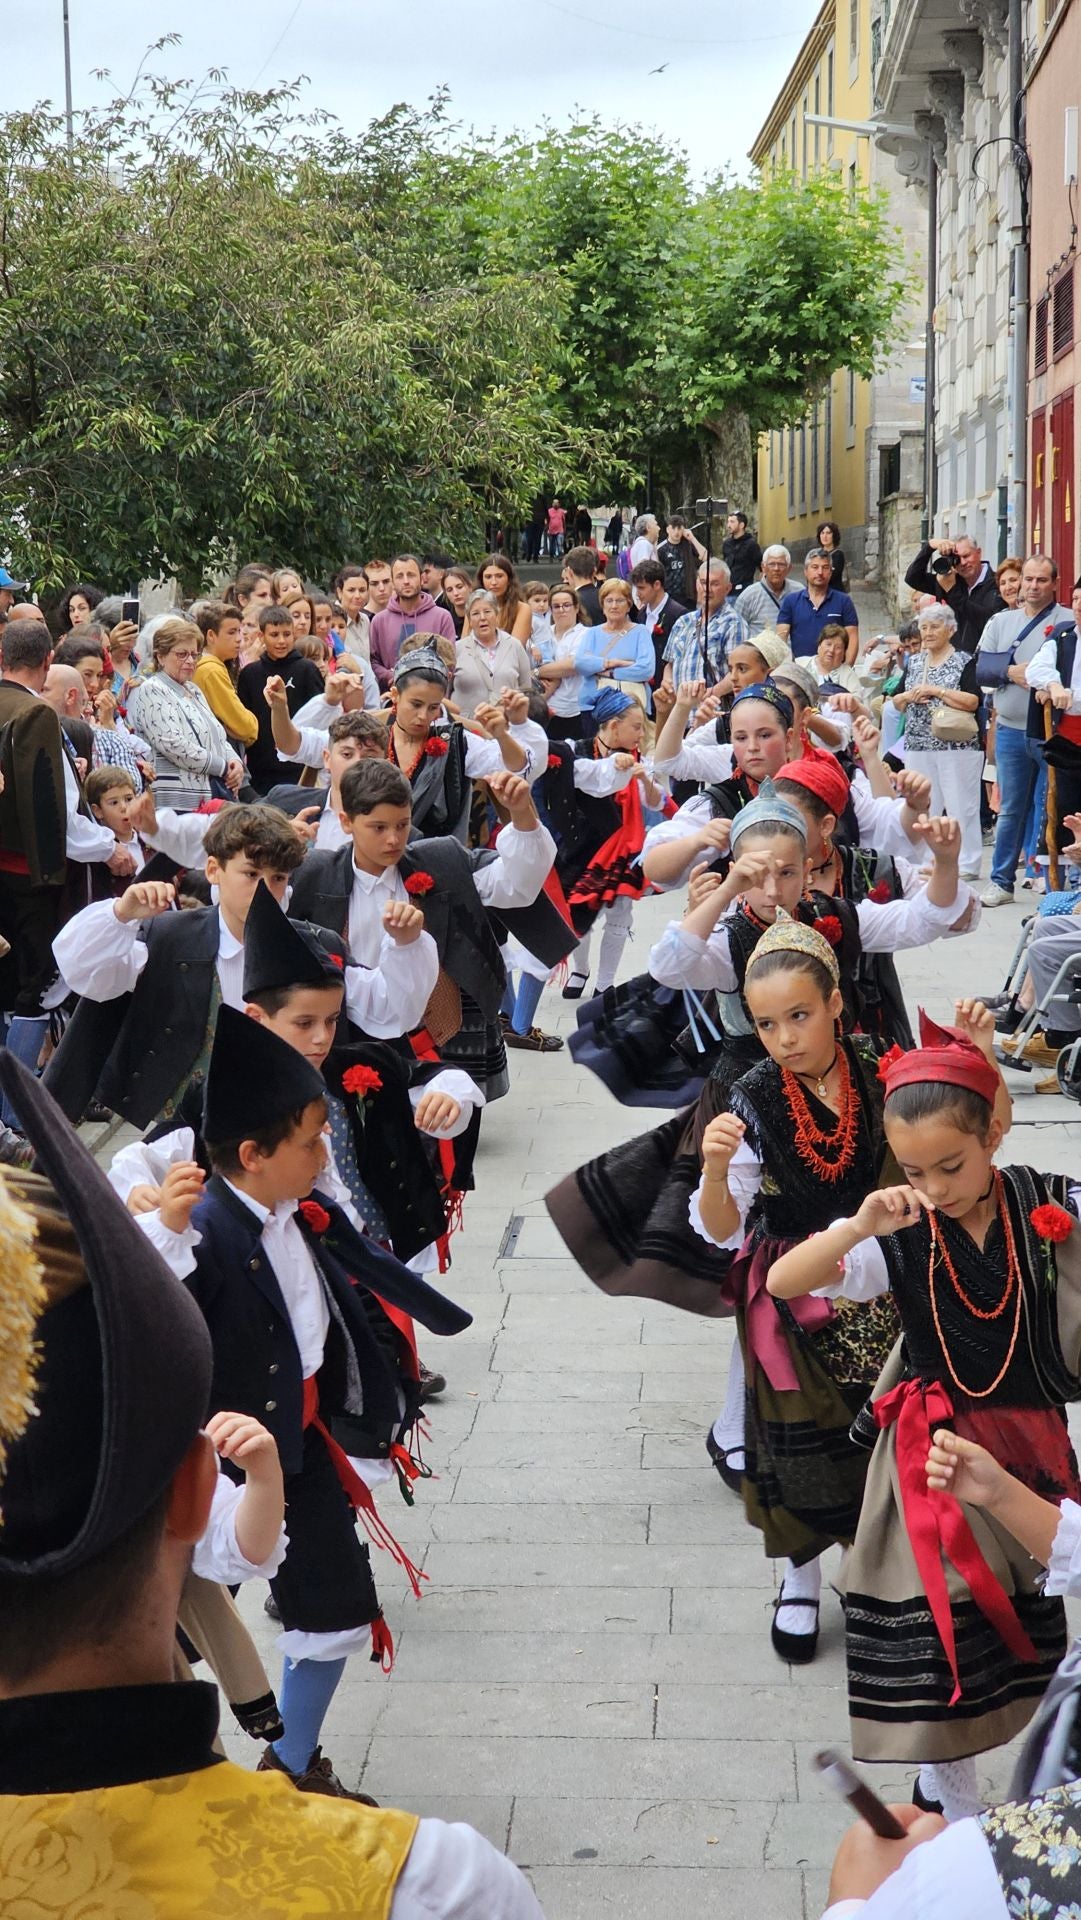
507, 66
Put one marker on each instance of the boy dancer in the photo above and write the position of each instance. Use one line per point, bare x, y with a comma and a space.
303, 1348
152, 980
454, 886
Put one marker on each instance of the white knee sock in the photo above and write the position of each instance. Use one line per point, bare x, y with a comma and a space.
800, 1584
579, 962
728, 1428
953, 1783
617, 928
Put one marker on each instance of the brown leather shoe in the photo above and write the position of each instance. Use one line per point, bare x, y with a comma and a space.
1035, 1050
534, 1041
318, 1777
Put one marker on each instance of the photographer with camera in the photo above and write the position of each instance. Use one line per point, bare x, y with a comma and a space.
955, 571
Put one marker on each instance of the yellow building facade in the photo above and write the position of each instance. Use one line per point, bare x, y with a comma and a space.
829, 467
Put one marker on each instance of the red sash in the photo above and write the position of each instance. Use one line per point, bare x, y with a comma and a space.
936, 1525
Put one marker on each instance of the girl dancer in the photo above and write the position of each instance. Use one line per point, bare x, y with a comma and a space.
950, 1643
802, 1138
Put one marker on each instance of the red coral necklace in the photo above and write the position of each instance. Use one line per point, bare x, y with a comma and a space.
940, 1251
840, 1139
395, 761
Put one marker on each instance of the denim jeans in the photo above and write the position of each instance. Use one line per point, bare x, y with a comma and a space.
1021, 776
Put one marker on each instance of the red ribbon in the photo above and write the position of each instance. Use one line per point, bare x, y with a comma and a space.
358, 1494
937, 1528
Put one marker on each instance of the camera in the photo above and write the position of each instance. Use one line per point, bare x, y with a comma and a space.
945, 562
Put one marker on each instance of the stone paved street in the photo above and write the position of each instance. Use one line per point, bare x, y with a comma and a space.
589, 1678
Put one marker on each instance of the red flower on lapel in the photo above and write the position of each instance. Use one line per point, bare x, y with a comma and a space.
435, 747
336, 960
880, 892
362, 1080
418, 884
1052, 1223
830, 928
315, 1216
554, 760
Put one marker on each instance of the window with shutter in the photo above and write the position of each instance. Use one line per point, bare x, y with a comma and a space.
1061, 316
1040, 335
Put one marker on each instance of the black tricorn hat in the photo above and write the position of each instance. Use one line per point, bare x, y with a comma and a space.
278, 953
253, 1079
121, 1383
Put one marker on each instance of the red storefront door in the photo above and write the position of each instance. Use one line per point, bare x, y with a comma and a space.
1061, 525
1037, 476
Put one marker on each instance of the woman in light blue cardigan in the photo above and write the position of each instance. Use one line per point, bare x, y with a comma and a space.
619, 650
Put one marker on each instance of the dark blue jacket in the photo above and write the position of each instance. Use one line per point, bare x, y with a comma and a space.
256, 1361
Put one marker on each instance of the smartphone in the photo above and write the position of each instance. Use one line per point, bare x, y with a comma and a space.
129, 609
841, 1775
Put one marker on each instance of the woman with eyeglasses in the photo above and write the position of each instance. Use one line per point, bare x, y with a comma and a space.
193, 760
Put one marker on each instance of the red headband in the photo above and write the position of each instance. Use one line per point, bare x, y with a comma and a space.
819, 773
944, 1053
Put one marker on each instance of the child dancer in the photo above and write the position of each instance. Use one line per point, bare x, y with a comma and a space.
801, 1139
298, 1343
949, 1642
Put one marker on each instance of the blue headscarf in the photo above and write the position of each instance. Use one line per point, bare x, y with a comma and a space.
771, 695
610, 703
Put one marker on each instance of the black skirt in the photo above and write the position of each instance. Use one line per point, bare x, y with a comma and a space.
324, 1584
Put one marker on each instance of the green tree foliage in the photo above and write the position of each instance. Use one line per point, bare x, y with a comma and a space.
228, 328
220, 332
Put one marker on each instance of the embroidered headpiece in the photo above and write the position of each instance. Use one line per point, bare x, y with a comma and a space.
610, 703
787, 935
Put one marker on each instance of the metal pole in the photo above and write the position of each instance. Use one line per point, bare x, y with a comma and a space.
67, 80
930, 464
1017, 375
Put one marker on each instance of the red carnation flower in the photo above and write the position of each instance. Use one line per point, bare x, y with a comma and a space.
1050, 628
336, 960
554, 760
436, 747
1052, 1223
210, 806
888, 1060
830, 928
880, 892
419, 883
362, 1080
317, 1217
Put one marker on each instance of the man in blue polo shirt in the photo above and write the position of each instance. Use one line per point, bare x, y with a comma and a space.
802, 616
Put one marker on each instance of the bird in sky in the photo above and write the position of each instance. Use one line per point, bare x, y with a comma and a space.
659, 69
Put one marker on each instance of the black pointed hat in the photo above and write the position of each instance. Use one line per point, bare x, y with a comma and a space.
278, 953
253, 1079
105, 1359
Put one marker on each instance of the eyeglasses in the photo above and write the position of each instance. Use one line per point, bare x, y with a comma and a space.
177, 655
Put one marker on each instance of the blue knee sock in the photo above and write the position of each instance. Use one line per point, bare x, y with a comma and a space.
307, 1689
526, 1002
506, 1005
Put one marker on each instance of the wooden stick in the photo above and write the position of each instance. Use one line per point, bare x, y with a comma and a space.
1051, 807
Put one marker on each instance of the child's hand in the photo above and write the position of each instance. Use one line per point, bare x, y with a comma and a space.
142, 814
914, 788
943, 838
237, 1437
866, 737
622, 761
403, 921
962, 1468
492, 718
889, 1209
145, 900
978, 1023
703, 882
690, 693
181, 1188
143, 1199
515, 705
719, 1143
716, 834
306, 823
749, 870
274, 692
434, 1111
